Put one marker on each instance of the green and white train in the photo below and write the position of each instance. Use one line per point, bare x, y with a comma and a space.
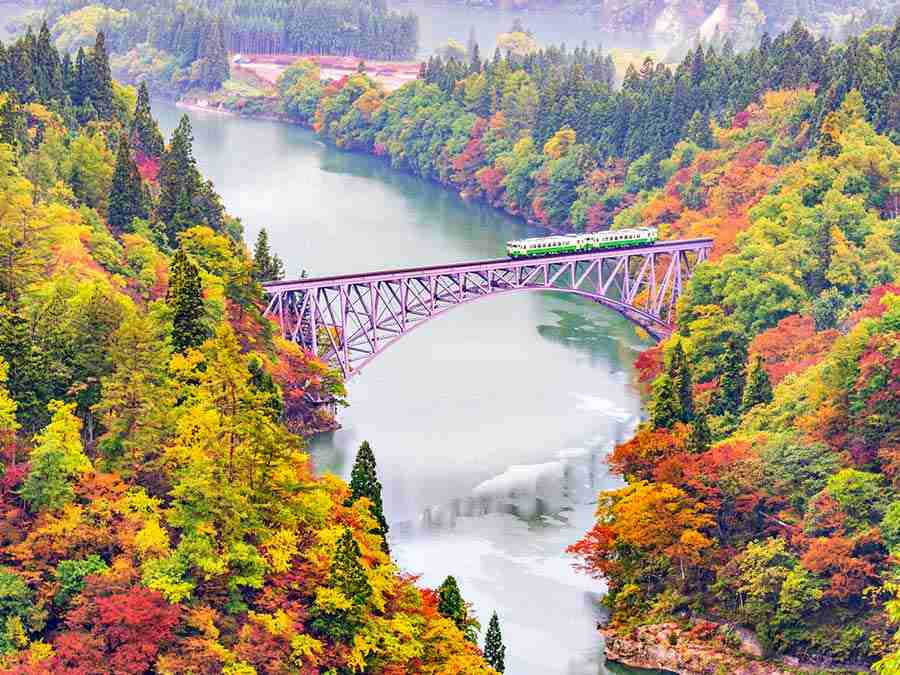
578, 243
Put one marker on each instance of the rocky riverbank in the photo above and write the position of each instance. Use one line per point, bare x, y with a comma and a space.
703, 648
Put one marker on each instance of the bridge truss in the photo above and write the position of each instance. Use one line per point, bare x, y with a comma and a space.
349, 320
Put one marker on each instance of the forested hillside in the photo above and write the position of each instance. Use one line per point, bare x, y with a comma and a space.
187, 44
763, 491
549, 138
156, 515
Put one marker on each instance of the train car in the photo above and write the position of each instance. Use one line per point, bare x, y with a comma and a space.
579, 243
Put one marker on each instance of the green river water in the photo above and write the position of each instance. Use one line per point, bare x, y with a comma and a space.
490, 425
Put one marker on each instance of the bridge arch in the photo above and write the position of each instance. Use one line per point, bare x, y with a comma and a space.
350, 320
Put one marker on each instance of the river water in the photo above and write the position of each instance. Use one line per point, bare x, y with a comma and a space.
491, 424
441, 20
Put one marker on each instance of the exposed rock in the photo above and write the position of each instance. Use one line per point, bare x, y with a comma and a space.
704, 649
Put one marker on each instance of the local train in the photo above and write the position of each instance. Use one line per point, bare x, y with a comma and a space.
578, 243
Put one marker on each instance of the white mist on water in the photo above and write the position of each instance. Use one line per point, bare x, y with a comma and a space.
491, 425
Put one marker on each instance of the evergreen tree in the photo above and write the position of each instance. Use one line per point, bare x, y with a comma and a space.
100, 80
680, 373
126, 198
48, 76
266, 266
700, 436
699, 130
347, 573
185, 297
665, 410
179, 182
79, 80
214, 55
494, 650
364, 483
732, 377
452, 606
759, 387
145, 135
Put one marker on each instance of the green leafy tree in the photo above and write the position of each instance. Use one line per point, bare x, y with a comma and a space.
126, 196
185, 297
57, 460
759, 389
364, 483
70, 574
494, 649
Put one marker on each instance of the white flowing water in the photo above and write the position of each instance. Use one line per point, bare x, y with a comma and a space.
490, 425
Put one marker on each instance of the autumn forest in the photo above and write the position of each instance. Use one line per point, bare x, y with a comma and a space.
159, 510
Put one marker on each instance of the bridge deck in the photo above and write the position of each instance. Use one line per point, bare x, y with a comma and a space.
297, 284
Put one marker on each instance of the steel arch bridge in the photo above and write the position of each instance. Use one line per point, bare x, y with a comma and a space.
349, 320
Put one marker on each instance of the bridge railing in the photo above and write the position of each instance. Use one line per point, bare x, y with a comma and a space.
350, 319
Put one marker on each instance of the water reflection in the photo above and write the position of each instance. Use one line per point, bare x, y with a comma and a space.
490, 424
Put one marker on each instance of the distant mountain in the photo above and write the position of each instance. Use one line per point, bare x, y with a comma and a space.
745, 20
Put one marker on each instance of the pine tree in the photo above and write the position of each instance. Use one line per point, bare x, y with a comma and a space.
145, 135
100, 83
347, 573
185, 297
665, 409
494, 650
266, 266
126, 198
699, 130
700, 437
80, 78
452, 606
732, 377
680, 373
214, 54
759, 387
364, 483
179, 182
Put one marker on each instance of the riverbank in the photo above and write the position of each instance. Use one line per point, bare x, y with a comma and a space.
703, 647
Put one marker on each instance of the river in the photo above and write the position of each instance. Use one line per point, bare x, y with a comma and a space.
441, 20
491, 424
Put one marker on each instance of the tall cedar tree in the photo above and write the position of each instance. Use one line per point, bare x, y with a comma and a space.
145, 135
494, 649
700, 436
215, 57
179, 182
266, 266
185, 297
126, 198
347, 573
364, 483
665, 410
759, 387
100, 85
732, 377
683, 383
452, 606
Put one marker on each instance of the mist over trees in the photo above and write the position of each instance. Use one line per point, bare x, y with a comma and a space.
191, 29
